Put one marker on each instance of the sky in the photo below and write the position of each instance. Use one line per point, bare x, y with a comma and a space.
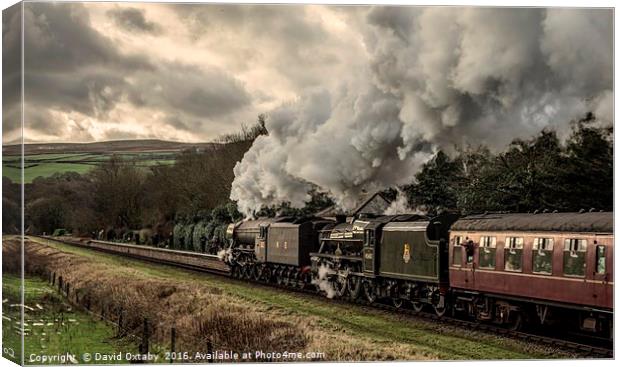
435, 76
101, 71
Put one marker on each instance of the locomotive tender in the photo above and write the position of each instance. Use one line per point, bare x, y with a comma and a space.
508, 269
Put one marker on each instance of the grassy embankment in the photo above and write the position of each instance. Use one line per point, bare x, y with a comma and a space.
231, 312
51, 326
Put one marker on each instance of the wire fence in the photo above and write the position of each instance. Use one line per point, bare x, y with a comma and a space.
115, 315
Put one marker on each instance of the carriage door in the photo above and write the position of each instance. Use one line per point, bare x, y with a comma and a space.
370, 241
601, 269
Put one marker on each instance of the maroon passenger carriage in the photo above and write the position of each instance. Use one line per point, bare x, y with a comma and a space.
535, 268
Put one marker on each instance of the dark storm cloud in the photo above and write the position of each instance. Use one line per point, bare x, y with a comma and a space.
297, 44
11, 69
59, 37
91, 93
133, 20
177, 123
72, 67
69, 66
197, 91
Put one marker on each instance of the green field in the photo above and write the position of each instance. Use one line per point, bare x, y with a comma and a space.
45, 165
51, 326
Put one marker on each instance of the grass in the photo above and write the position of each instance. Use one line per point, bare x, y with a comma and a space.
51, 326
45, 165
343, 331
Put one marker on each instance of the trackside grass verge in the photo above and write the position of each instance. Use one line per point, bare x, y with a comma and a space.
266, 318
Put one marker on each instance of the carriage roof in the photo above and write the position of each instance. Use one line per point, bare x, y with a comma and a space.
600, 222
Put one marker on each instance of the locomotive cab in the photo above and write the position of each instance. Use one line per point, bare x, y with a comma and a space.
371, 253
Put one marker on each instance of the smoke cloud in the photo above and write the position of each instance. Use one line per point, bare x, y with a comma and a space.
323, 283
435, 78
401, 206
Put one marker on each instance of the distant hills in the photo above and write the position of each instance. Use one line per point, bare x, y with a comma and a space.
114, 146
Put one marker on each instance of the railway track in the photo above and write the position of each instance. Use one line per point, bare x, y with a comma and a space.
212, 264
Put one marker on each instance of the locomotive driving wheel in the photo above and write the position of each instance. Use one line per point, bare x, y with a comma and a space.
339, 284
370, 290
235, 271
417, 306
289, 279
246, 272
397, 302
280, 276
440, 311
354, 286
257, 272
305, 279
267, 274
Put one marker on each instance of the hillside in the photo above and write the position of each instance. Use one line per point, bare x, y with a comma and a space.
45, 159
114, 146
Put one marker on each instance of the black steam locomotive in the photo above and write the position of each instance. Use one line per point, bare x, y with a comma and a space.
399, 257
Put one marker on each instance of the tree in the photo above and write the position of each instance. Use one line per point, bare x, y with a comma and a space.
436, 185
589, 174
46, 214
118, 193
11, 206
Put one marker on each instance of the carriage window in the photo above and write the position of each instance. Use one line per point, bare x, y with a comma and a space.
600, 259
487, 252
513, 254
457, 251
575, 257
542, 256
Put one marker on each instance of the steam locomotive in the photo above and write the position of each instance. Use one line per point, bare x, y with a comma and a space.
509, 269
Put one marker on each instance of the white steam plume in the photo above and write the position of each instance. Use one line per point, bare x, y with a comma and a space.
225, 255
323, 282
401, 206
435, 78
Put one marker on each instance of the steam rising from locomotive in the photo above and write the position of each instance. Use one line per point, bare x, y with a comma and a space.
434, 78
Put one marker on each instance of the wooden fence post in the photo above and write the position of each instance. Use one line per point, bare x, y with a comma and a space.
145, 337
120, 322
210, 350
173, 339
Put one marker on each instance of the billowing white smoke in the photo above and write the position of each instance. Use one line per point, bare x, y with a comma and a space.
323, 282
224, 255
401, 206
436, 78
